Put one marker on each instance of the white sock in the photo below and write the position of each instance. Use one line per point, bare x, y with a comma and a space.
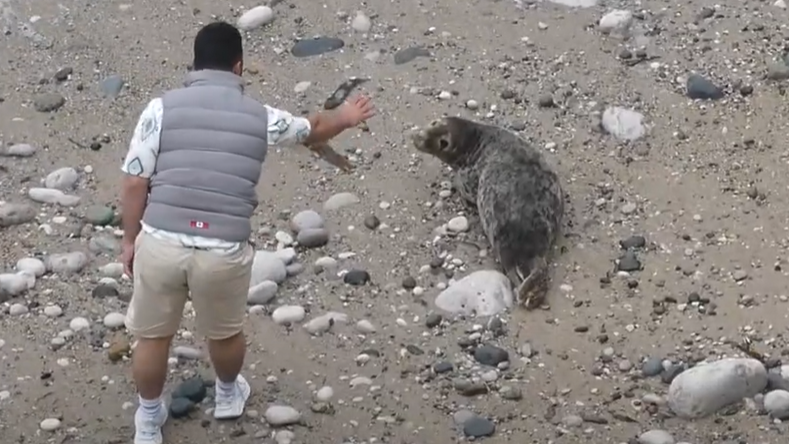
225, 389
151, 406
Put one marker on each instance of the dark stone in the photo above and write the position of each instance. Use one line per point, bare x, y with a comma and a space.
356, 277
111, 86
409, 283
629, 262
104, 291
433, 320
316, 46
63, 73
408, 54
372, 222
495, 326
181, 407
699, 87
414, 350
478, 427
776, 382
436, 262
490, 355
653, 366
633, 242
48, 102
546, 101
672, 372
443, 367
342, 92
192, 389
371, 352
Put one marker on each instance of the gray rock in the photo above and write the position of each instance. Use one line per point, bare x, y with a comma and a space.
288, 314
699, 87
16, 214
105, 244
406, 55
325, 264
184, 352
778, 71
707, 388
306, 219
18, 150
483, 292
653, 366
776, 403
48, 102
267, 267
478, 427
255, 18
323, 323
31, 265
99, 215
623, 123
282, 415
313, 237
340, 200
52, 196
15, 284
656, 437
262, 293
63, 179
111, 86
66, 263
294, 269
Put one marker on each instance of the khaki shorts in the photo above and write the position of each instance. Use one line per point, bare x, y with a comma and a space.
166, 274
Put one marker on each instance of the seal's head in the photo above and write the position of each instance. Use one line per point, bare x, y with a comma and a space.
449, 139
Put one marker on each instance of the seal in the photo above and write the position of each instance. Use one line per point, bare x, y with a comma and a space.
517, 194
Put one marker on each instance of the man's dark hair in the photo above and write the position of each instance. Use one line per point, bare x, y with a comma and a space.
218, 46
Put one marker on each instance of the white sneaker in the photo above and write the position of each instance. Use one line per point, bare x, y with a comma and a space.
232, 407
147, 428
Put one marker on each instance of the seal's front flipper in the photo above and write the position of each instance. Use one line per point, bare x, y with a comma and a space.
533, 289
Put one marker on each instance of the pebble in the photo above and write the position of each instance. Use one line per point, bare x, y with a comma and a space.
305, 220
458, 224
406, 55
185, 352
491, 355
361, 23
16, 214
323, 323
301, 87
66, 263
17, 309
340, 200
316, 46
656, 437
18, 150
706, 388
616, 21
53, 311
114, 320
111, 86
324, 394
52, 196
356, 277
624, 124
288, 314
31, 265
776, 403
255, 18
262, 293
79, 324
364, 326
699, 87
48, 102
313, 237
481, 293
478, 427
50, 424
282, 415
267, 266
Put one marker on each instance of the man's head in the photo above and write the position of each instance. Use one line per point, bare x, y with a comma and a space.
218, 46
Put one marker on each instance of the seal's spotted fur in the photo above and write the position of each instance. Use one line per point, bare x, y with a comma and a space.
517, 194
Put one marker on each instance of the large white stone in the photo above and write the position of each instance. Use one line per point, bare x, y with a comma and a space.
62, 179
31, 265
288, 314
281, 415
616, 21
624, 124
707, 388
484, 293
267, 266
255, 18
777, 404
52, 196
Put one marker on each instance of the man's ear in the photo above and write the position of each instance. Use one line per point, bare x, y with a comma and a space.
238, 68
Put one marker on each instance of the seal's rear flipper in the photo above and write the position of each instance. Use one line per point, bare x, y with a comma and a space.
533, 289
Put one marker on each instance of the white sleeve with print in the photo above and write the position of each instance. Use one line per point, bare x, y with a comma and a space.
286, 130
144, 145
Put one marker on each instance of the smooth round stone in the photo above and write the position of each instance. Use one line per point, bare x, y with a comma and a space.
284, 437
112, 270
53, 311
365, 326
255, 18
777, 404
283, 237
477, 427
288, 314
262, 293
313, 237
652, 367
62, 179
656, 437
316, 46
17, 309
306, 219
185, 352
114, 320
301, 87
67, 263
50, 424
340, 200
111, 86
325, 263
282, 415
78, 324
19, 150
31, 265
16, 214
458, 224
361, 23
52, 196
324, 394
287, 255
193, 389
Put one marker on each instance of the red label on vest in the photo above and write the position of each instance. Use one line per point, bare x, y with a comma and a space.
199, 225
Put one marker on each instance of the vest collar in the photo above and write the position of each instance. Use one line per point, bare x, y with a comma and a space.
214, 77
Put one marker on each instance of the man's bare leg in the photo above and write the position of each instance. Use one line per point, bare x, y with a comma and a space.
227, 356
149, 366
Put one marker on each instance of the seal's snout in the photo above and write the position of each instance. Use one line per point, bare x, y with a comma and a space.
418, 138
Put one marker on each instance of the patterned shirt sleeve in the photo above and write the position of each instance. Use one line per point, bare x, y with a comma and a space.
144, 146
286, 130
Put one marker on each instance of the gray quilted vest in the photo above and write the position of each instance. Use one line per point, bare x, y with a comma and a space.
213, 143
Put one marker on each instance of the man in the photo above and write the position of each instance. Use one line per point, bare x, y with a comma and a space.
188, 195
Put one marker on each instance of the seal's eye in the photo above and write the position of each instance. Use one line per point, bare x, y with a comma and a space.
443, 143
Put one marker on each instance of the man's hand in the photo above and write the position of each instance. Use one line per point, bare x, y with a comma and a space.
356, 110
127, 257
